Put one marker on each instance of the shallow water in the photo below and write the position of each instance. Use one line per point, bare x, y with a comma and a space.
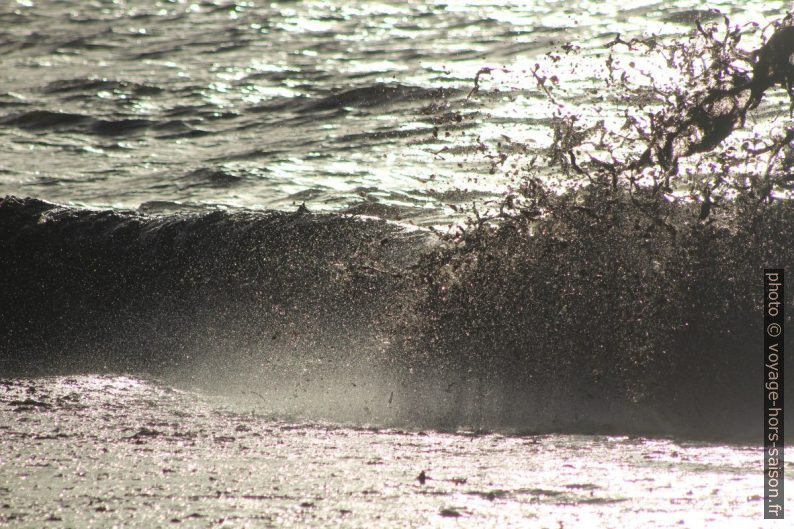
112, 451
362, 107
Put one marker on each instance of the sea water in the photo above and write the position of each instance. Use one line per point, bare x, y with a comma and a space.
210, 364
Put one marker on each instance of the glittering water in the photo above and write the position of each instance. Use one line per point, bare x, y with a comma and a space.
119, 451
359, 106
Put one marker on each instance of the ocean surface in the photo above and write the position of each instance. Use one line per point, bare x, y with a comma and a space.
360, 264
344, 106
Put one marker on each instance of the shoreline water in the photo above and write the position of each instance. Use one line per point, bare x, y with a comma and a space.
101, 451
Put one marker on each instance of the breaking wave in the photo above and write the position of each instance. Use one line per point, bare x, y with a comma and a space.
586, 325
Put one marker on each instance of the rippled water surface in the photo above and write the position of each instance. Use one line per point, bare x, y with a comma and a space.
359, 106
